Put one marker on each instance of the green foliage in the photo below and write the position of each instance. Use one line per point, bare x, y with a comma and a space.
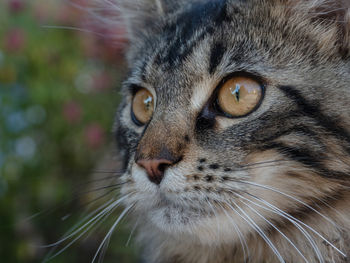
57, 103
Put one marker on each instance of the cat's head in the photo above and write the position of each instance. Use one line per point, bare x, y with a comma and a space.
231, 105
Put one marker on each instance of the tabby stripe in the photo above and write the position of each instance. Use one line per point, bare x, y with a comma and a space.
302, 213
314, 111
274, 125
305, 131
307, 158
304, 156
179, 51
217, 52
199, 16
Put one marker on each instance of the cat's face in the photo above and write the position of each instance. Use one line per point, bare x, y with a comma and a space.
231, 103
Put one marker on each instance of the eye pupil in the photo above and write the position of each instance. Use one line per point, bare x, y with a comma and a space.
236, 92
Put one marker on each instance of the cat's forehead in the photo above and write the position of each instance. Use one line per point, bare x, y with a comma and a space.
190, 47
184, 32
211, 39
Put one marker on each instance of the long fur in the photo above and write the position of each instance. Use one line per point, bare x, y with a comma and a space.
270, 187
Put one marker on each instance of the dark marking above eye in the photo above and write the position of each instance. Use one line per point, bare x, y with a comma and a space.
202, 160
200, 168
182, 33
214, 166
217, 53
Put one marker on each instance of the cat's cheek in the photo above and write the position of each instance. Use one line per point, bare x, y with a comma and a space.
175, 179
277, 182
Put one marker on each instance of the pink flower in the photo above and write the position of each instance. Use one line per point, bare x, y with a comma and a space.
16, 6
70, 13
94, 135
101, 81
42, 12
72, 112
15, 40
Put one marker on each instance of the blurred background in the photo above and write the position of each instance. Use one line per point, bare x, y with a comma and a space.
59, 82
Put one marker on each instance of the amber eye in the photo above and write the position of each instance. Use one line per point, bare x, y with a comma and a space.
142, 106
239, 96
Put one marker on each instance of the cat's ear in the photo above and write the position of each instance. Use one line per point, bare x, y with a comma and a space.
331, 16
139, 15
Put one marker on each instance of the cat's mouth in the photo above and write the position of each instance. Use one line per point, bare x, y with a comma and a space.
171, 204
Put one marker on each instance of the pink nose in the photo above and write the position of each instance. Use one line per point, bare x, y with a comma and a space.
155, 168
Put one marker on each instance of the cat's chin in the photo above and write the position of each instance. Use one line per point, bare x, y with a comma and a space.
168, 215
179, 222
208, 229
173, 218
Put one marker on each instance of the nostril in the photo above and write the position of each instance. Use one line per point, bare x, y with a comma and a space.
155, 168
162, 167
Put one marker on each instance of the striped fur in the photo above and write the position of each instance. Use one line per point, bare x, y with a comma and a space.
270, 187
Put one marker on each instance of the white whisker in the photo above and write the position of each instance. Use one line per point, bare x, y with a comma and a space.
293, 198
104, 250
132, 231
302, 223
88, 225
240, 235
285, 215
101, 220
215, 214
100, 214
276, 228
251, 222
290, 218
111, 231
77, 237
76, 229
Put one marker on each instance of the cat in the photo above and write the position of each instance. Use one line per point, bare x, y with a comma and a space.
235, 129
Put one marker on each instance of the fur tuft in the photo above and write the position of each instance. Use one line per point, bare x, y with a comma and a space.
331, 18
333, 15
